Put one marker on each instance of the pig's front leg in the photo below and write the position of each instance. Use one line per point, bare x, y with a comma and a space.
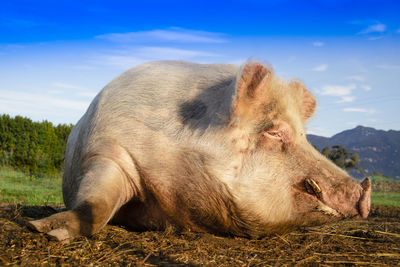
102, 191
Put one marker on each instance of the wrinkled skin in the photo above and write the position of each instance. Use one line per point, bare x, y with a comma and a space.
213, 148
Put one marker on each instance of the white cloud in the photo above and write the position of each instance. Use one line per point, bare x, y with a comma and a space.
317, 131
352, 124
322, 67
388, 67
360, 110
172, 53
83, 67
375, 28
318, 44
374, 38
82, 91
129, 58
292, 59
67, 86
25, 100
366, 87
337, 90
357, 78
39, 106
170, 35
346, 99
55, 92
122, 61
87, 94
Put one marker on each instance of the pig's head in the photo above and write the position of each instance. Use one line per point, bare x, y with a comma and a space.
283, 178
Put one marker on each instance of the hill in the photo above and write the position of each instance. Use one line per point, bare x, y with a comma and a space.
379, 150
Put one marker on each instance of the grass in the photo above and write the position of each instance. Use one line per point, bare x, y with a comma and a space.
386, 199
17, 187
385, 191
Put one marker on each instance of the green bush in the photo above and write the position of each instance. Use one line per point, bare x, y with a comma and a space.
35, 148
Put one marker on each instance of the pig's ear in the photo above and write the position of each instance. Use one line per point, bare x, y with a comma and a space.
250, 87
308, 102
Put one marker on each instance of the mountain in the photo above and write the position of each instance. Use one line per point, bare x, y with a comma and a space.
378, 150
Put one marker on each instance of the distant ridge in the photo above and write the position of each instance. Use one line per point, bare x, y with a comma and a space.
378, 150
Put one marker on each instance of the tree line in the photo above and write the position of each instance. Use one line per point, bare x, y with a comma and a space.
35, 148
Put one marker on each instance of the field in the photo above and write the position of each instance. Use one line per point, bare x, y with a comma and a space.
16, 187
374, 241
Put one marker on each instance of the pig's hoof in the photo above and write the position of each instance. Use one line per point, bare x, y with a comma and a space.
61, 234
57, 227
42, 225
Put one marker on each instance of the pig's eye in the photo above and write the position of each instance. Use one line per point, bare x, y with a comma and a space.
273, 134
281, 132
313, 188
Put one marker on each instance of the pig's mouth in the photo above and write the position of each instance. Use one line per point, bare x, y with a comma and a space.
363, 205
325, 209
313, 189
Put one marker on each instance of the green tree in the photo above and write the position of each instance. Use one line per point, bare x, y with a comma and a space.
341, 157
36, 148
325, 151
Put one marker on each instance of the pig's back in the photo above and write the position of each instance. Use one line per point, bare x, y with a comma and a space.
169, 95
165, 98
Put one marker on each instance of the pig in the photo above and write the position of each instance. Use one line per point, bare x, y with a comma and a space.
200, 147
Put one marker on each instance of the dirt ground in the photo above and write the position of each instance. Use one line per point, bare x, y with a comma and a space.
374, 241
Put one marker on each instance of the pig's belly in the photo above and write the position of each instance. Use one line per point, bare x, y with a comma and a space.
148, 215
141, 216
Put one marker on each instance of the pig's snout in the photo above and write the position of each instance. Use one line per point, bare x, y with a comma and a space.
364, 204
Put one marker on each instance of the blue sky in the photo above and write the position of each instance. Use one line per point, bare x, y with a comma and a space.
56, 55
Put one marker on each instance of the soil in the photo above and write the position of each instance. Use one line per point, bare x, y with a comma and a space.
374, 241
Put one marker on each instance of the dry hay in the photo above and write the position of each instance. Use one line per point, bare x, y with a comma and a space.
375, 241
